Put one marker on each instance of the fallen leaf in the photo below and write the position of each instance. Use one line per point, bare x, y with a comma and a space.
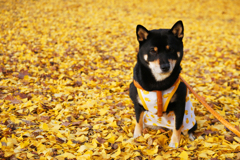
101, 140
117, 153
184, 155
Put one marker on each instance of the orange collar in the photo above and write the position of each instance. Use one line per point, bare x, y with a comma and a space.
159, 97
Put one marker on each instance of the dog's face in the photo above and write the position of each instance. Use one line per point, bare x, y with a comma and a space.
161, 50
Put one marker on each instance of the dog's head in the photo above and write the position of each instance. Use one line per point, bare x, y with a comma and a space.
161, 50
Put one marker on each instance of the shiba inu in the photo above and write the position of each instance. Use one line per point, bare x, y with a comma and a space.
160, 98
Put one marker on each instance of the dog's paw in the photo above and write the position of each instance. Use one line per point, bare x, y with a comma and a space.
137, 131
135, 135
173, 145
192, 137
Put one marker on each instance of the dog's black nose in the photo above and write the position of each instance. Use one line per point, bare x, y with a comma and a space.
165, 67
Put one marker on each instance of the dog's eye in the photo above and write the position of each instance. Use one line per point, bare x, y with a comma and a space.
153, 51
170, 50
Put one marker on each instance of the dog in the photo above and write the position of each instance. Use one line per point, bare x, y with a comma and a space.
156, 76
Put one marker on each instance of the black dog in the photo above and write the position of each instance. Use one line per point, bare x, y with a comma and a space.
157, 69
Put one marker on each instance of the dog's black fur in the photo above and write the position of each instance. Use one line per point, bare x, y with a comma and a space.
143, 74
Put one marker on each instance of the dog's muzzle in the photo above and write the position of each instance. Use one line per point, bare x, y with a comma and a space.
165, 67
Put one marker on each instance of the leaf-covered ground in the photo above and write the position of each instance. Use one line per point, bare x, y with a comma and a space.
65, 69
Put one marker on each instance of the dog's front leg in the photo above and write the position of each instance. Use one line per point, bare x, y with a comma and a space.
175, 139
176, 135
139, 111
139, 125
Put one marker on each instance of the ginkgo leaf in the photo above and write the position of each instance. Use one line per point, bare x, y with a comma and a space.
151, 151
82, 148
82, 138
30, 155
117, 153
159, 158
103, 111
67, 155
44, 126
184, 155
203, 155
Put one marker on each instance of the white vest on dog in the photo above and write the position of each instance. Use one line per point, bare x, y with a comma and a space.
150, 118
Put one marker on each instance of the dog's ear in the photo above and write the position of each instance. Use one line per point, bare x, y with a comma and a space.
177, 29
142, 33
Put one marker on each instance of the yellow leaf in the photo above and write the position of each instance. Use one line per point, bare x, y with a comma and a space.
24, 144
219, 127
8, 153
4, 140
69, 155
90, 145
39, 136
112, 139
41, 148
162, 139
82, 148
116, 154
203, 155
27, 104
26, 78
30, 155
146, 136
159, 158
114, 124
69, 142
44, 126
109, 136
141, 139
237, 139
209, 152
56, 127
32, 108
234, 146
66, 155
176, 145
59, 135
103, 111
70, 97
88, 153
184, 155
96, 126
152, 151
82, 138
229, 155
58, 107
120, 139
208, 145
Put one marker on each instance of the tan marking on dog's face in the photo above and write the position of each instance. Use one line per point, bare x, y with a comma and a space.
167, 47
157, 72
178, 53
155, 66
172, 63
155, 49
145, 56
156, 62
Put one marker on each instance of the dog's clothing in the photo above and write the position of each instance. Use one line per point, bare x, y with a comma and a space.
149, 101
